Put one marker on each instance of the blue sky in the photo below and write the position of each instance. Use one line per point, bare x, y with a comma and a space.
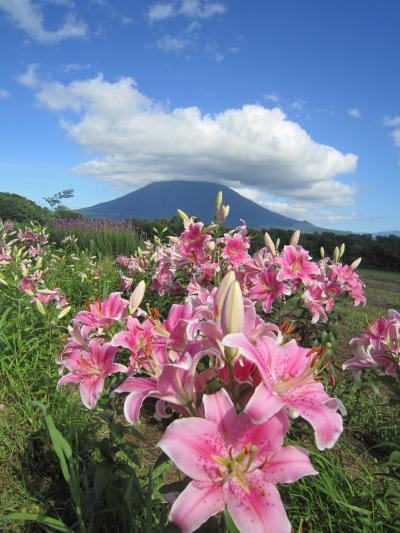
294, 104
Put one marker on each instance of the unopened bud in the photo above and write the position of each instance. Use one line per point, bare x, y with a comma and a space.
223, 213
322, 252
227, 280
277, 243
336, 254
342, 249
218, 201
137, 296
270, 246
355, 264
173, 239
211, 228
295, 238
182, 214
232, 313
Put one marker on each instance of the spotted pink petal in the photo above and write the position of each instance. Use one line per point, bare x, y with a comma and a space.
288, 465
326, 422
258, 510
267, 436
191, 443
198, 502
219, 409
263, 405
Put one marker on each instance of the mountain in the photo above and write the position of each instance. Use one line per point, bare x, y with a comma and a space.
387, 233
161, 199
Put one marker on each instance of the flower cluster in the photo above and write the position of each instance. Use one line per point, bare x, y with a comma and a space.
378, 348
199, 258
22, 253
230, 381
235, 380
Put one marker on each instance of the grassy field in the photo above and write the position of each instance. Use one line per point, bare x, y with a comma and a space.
356, 490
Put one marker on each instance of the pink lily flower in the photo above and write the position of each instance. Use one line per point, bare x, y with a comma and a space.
175, 383
266, 288
296, 265
235, 248
235, 464
315, 298
288, 381
193, 240
104, 314
89, 368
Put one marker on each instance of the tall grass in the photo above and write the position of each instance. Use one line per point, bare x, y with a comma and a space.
98, 237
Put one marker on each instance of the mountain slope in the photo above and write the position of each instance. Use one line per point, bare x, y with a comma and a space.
161, 199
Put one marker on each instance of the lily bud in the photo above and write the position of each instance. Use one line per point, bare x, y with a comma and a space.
277, 243
336, 254
294, 241
182, 214
173, 239
139, 251
232, 313
211, 228
218, 201
355, 264
137, 296
322, 252
223, 213
342, 249
269, 244
227, 280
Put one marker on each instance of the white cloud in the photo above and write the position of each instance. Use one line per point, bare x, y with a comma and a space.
28, 17
169, 43
159, 12
194, 9
271, 97
252, 148
29, 77
4, 94
354, 112
391, 121
74, 67
396, 137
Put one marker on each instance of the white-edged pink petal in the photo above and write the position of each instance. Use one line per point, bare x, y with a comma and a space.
90, 389
288, 465
267, 436
192, 443
326, 422
198, 502
219, 409
258, 509
263, 405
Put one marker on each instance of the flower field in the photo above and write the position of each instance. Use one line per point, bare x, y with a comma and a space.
190, 385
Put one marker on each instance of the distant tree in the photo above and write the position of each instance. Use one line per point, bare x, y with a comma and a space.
20, 209
55, 201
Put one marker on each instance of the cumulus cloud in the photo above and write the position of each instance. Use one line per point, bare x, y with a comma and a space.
138, 141
354, 112
169, 43
394, 122
193, 9
74, 67
28, 17
4, 94
29, 77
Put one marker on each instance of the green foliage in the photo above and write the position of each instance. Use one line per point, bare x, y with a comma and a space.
20, 209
